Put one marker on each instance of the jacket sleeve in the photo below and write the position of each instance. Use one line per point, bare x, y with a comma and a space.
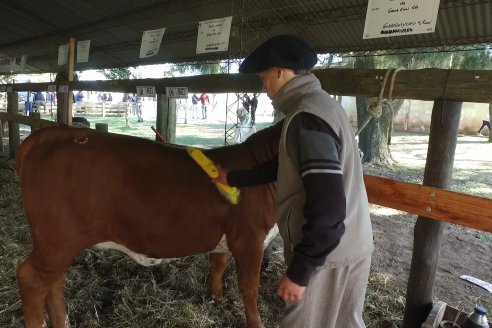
315, 146
258, 175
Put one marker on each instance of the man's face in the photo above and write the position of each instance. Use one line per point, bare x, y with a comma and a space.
271, 81
274, 79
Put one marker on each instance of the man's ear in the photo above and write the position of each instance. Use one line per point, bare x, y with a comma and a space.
279, 72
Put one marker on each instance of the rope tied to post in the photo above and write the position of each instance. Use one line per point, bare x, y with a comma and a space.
375, 109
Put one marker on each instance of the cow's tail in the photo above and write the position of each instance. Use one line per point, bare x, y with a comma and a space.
21, 153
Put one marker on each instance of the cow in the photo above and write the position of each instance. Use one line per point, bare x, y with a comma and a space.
82, 187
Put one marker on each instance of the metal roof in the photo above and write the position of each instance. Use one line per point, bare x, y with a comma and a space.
37, 28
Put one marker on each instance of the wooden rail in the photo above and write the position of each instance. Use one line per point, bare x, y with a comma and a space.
31, 121
435, 203
421, 84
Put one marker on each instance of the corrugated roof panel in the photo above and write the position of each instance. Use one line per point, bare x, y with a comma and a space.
115, 28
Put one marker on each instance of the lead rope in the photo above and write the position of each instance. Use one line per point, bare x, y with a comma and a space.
376, 107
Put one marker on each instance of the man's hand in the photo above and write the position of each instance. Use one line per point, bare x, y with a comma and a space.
290, 291
222, 178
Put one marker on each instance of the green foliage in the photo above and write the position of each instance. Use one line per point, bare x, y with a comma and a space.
204, 68
119, 73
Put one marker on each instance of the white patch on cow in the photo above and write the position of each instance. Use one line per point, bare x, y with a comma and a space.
144, 260
222, 246
139, 258
271, 235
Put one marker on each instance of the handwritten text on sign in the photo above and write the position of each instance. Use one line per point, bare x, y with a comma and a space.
146, 91
151, 42
213, 35
178, 92
387, 18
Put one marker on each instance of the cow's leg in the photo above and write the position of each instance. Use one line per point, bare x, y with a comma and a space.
41, 281
33, 293
56, 304
218, 263
248, 263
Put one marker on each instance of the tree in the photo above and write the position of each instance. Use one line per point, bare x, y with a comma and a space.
375, 137
119, 73
204, 68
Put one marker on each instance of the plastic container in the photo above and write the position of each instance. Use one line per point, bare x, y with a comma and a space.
477, 319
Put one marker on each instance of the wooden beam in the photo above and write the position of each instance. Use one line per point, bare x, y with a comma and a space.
71, 64
423, 84
435, 203
31, 121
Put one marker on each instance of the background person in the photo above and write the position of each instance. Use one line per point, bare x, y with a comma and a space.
194, 105
485, 123
205, 102
39, 101
254, 105
323, 213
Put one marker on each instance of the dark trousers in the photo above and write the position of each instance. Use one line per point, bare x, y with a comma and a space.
484, 124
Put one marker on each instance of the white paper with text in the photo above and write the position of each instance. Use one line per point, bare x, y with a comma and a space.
387, 18
151, 42
213, 35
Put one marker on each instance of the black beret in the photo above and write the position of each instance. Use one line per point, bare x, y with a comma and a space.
285, 51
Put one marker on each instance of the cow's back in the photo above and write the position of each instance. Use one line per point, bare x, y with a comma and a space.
98, 187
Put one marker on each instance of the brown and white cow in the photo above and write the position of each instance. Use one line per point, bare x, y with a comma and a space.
82, 187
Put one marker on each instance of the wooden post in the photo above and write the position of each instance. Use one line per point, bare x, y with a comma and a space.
38, 116
14, 133
428, 233
166, 117
71, 63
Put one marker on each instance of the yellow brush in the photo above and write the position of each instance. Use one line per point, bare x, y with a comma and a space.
231, 194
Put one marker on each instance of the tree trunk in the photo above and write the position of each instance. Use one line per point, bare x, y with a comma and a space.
376, 136
373, 140
428, 233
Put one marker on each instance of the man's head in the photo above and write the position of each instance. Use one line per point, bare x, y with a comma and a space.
278, 60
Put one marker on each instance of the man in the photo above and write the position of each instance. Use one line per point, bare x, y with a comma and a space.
254, 105
194, 103
322, 202
485, 123
205, 101
39, 101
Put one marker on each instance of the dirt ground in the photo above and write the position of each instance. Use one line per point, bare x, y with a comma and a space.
463, 251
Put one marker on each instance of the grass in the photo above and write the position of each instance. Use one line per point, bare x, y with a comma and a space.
206, 134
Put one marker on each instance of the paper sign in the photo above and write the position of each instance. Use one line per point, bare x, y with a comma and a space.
151, 42
213, 35
9, 88
83, 51
387, 18
63, 88
146, 91
51, 87
177, 92
3, 88
63, 54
